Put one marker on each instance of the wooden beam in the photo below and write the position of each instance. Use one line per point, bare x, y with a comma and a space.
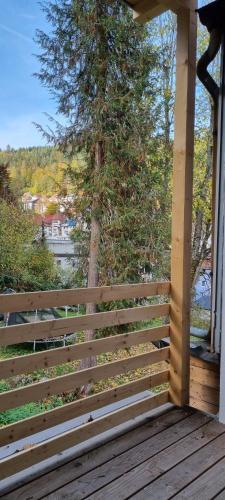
182, 205
37, 423
52, 357
42, 451
72, 381
145, 10
18, 334
55, 298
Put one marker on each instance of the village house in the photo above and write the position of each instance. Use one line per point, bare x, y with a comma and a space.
35, 203
40, 203
57, 229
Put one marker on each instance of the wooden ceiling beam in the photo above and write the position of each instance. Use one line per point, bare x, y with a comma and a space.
145, 10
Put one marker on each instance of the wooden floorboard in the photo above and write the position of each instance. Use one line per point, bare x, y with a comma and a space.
120, 465
75, 468
138, 479
187, 471
209, 484
179, 454
220, 496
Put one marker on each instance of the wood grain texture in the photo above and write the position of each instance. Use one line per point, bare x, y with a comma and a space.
82, 464
56, 298
49, 448
220, 496
115, 479
177, 454
156, 478
23, 428
203, 406
45, 359
204, 385
210, 483
204, 393
200, 363
72, 381
182, 204
145, 10
188, 470
210, 378
58, 327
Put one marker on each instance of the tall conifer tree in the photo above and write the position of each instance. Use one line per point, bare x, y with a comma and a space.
97, 64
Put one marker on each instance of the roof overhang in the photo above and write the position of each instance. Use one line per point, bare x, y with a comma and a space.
144, 10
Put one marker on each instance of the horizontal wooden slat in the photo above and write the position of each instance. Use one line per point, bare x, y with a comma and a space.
68, 383
38, 423
205, 377
31, 362
56, 298
204, 365
44, 450
204, 393
203, 406
54, 328
204, 385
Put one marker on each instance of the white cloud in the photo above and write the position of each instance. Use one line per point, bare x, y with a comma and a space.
16, 33
28, 16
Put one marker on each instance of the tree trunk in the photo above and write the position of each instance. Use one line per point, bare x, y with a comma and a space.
101, 48
93, 256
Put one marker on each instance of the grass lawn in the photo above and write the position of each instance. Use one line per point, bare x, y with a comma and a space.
69, 314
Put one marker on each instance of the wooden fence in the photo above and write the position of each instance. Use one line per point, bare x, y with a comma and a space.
38, 391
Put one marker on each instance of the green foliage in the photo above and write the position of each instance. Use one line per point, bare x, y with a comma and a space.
103, 86
52, 208
37, 170
25, 264
28, 410
93, 73
202, 195
40, 273
51, 402
5, 184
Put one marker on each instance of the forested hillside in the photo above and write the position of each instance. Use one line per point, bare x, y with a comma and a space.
35, 169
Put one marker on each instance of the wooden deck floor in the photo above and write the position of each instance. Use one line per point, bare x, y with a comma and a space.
178, 454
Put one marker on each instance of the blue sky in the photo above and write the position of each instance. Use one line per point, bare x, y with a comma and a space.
22, 98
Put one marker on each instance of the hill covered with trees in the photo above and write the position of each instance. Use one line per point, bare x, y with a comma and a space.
35, 169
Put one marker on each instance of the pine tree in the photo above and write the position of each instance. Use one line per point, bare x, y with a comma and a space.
97, 64
5, 185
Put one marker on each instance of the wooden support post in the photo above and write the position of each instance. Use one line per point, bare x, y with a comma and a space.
182, 205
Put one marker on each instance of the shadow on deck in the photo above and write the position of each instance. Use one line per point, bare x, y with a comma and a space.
175, 453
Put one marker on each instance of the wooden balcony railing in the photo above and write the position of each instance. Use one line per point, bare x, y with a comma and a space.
38, 391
